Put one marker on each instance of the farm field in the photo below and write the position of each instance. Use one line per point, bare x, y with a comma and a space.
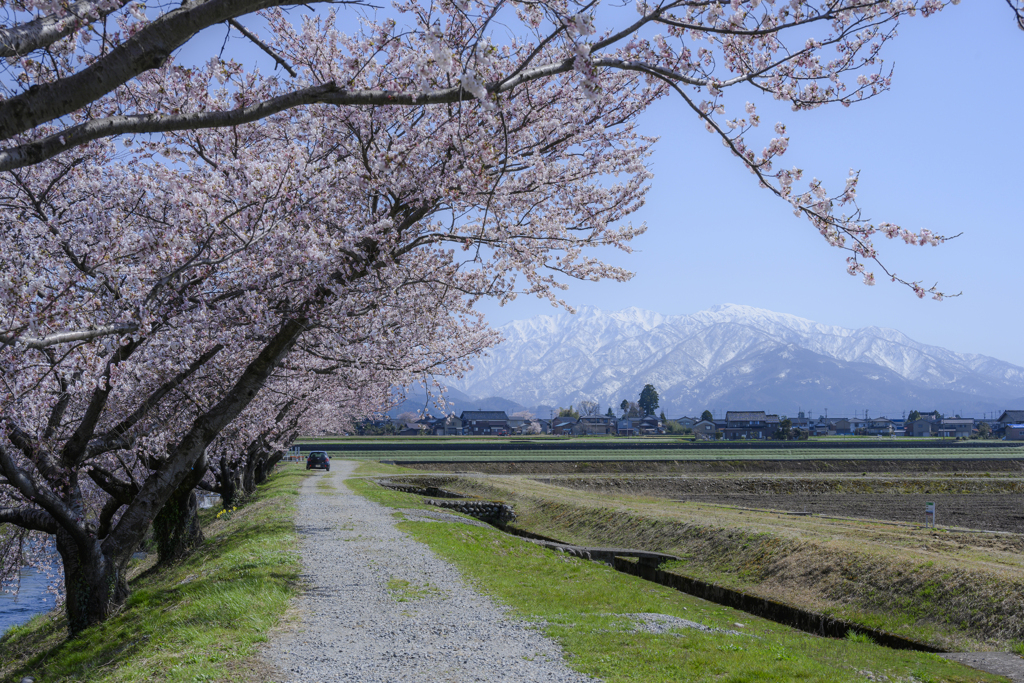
993, 502
570, 454
582, 604
861, 554
966, 511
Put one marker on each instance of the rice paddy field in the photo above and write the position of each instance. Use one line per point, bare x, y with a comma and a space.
624, 451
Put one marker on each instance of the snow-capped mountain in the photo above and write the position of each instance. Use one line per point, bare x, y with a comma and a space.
735, 357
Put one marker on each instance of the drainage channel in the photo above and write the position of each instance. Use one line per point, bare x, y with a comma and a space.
781, 613
646, 567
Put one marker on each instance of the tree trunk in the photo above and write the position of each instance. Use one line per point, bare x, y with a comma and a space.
266, 465
249, 473
176, 527
95, 585
230, 482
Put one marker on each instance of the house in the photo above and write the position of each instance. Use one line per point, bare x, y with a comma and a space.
687, 421
1008, 417
484, 422
826, 426
624, 427
705, 429
563, 425
748, 424
599, 424
448, 426
955, 427
545, 426
842, 427
802, 422
1014, 416
920, 427
880, 426
1014, 432
413, 428
650, 424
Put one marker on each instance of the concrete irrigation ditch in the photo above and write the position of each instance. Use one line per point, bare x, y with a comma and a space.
645, 564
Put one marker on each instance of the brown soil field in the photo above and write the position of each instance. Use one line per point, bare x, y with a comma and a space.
967, 467
994, 503
993, 513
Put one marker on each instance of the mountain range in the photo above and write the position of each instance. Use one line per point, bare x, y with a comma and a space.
729, 357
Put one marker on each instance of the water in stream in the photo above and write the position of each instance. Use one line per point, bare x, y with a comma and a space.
32, 599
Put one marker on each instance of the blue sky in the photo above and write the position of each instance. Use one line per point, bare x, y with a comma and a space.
942, 150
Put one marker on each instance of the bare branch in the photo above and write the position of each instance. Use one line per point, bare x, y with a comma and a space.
263, 46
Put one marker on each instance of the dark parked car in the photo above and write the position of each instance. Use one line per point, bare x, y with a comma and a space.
318, 460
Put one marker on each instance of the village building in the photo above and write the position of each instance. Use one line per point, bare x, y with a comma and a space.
880, 426
952, 427
705, 429
748, 424
563, 425
596, 425
484, 422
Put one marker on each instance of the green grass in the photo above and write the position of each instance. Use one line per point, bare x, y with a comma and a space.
374, 468
404, 591
956, 591
199, 620
581, 605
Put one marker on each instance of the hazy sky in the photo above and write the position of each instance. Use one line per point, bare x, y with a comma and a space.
943, 150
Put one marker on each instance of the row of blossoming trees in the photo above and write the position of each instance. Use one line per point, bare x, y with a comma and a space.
202, 260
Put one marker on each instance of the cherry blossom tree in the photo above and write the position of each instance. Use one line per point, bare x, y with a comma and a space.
178, 236
95, 69
150, 297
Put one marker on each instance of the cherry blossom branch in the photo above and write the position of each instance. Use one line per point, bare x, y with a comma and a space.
147, 49
114, 437
823, 220
116, 329
29, 518
61, 513
22, 39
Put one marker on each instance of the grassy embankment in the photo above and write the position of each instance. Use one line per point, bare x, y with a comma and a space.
957, 591
585, 606
199, 620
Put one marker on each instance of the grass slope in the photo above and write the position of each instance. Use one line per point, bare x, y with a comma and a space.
957, 591
199, 620
584, 606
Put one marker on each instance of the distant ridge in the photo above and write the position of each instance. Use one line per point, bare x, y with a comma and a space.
732, 357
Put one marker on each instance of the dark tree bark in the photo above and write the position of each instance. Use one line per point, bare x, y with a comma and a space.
176, 527
95, 584
94, 563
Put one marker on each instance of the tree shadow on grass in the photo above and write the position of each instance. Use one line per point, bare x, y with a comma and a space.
193, 620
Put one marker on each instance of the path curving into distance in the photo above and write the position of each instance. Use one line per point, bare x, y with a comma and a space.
352, 627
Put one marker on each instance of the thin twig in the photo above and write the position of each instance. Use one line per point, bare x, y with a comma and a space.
263, 46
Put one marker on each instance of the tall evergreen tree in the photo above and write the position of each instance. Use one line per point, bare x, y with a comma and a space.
648, 399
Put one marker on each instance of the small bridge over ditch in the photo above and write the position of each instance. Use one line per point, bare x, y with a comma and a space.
607, 555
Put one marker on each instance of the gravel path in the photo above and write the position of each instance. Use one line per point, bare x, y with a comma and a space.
360, 621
